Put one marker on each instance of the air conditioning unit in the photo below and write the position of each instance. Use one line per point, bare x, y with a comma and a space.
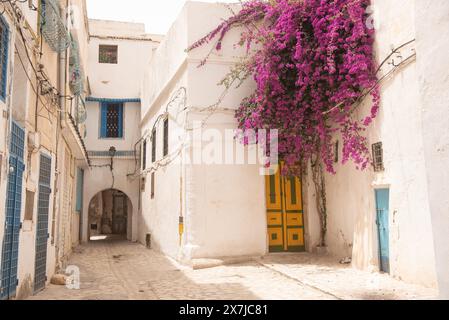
34, 140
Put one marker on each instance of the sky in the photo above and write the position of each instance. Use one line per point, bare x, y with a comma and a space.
158, 15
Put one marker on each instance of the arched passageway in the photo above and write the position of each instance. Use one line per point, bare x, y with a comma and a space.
110, 216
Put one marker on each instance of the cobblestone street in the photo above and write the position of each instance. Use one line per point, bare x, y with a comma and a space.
116, 270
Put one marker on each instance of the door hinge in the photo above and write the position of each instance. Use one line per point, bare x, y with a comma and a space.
46, 278
48, 235
21, 225
17, 282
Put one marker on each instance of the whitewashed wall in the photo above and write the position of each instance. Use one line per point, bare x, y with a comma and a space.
122, 80
432, 25
116, 81
131, 129
350, 193
100, 179
223, 205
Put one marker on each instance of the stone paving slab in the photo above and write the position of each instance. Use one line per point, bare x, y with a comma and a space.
343, 281
123, 270
120, 270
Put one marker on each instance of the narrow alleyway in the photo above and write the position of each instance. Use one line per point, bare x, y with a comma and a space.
113, 270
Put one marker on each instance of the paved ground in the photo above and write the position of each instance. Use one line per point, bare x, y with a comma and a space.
118, 270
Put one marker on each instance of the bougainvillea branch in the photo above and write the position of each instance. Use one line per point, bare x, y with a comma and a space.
312, 60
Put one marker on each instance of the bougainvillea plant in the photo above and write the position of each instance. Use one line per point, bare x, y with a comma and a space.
313, 63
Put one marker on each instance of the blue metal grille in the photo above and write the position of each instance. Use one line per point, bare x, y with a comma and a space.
4, 45
40, 273
10, 252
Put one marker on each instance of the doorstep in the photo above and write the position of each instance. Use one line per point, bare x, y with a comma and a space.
198, 264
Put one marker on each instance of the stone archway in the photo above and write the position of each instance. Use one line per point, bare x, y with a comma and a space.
110, 215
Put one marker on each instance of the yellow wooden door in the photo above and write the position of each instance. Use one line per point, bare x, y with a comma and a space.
284, 213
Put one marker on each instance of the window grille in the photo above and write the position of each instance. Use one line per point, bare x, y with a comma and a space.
153, 146
337, 151
108, 54
112, 120
165, 137
52, 26
144, 155
4, 45
75, 68
152, 185
378, 157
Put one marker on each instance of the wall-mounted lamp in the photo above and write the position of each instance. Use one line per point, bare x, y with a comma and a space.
112, 152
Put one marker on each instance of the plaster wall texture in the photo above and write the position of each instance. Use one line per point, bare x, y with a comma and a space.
131, 129
432, 37
124, 79
100, 179
223, 205
351, 193
23, 103
23, 106
116, 81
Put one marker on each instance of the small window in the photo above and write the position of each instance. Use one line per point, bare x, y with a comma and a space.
4, 44
165, 137
336, 151
111, 120
143, 182
378, 157
153, 146
108, 54
152, 185
144, 155
29, 205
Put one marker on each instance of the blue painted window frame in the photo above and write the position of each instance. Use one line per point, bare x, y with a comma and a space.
79, 190
103, 120
4, 52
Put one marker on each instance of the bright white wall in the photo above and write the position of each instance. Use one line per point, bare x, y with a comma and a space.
122, 80
350, 193
131, 129
100, 179
164, 65
432, 37
223, 206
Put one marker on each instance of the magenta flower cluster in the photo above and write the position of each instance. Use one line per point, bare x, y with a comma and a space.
312, 62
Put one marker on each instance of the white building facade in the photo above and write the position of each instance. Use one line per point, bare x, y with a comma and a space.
41, 148
117, 50
383, 218
145, 150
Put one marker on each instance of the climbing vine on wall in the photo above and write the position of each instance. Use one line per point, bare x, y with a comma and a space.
313, 62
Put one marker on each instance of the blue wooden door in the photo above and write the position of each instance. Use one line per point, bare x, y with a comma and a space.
383, 222
10, 252
40, 267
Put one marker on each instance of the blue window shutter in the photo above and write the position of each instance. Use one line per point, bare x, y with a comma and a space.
79, 190
104, 115
4, 38
120, 121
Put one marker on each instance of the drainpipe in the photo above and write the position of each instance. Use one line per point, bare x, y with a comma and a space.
62, 72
